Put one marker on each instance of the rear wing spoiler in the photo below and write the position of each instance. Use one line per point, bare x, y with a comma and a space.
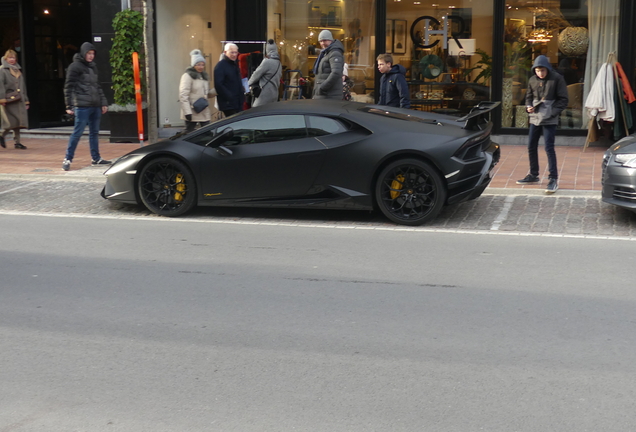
474, 116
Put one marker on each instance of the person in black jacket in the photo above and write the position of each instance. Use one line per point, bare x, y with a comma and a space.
328, 68
84, 98
230, 93
546, 97
394, 91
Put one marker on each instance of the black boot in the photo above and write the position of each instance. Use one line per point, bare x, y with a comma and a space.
20, 146
2, 144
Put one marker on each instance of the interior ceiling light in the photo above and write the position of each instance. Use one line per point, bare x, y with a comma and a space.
539, 35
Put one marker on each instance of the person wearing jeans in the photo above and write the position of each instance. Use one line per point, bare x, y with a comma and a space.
90, 116
85, 99
546, 97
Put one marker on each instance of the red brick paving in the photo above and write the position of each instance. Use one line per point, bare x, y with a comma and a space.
45, 155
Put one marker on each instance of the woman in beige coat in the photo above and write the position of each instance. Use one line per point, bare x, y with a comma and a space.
195, 84
14, 114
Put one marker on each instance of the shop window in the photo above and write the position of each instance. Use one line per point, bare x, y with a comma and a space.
296, 25
445, 48
576, 36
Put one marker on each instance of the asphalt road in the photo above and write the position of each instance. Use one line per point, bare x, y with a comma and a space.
203, 324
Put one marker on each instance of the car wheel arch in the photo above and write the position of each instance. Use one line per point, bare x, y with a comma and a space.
398, 156
154, 156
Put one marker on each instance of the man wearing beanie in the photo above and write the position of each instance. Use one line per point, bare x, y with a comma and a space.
228, 81
267, 76
328, 68
85, 99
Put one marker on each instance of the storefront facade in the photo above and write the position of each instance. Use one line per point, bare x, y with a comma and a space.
456, 52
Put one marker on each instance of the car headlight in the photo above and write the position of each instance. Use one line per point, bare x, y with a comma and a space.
628, 160
125, 163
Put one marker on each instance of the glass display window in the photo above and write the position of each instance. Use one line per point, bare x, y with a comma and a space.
446, 48
576, 36
296, 29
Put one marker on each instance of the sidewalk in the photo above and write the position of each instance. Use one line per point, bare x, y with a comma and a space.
579, 170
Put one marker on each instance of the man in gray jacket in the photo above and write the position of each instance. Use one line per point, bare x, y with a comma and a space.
328, 68
546, 97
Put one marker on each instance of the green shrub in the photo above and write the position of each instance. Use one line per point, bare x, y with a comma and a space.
129, 37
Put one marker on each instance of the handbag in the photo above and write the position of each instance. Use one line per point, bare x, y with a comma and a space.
13, 96
200, 104
256, 91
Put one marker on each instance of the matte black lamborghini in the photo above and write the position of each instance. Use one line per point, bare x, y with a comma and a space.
315, 153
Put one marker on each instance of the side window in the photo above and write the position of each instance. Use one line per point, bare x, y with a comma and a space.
268, 129
318, 126
202, 138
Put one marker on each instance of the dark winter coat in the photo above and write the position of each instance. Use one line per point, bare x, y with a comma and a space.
394, 91
228, 85
14, 115
328, 72
82, 88
548, 96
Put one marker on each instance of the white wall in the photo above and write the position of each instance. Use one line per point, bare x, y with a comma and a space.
181, 27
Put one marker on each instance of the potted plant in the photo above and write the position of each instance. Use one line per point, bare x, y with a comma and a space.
484, 66
129, 37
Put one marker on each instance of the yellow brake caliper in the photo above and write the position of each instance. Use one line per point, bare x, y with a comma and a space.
181, 188
396, 186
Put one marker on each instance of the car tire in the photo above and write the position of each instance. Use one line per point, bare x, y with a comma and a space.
410, 192
167, 187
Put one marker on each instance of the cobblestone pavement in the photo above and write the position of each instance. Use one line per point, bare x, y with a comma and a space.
567, 213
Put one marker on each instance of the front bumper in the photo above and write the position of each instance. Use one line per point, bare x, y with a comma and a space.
618, 184
120, 187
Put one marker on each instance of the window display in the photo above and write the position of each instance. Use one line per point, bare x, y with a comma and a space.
352, 22
447, 52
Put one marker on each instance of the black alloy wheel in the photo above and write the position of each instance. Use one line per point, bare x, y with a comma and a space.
410, 192
167, 187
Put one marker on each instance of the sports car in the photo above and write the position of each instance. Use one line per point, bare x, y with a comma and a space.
619, 174
315, 153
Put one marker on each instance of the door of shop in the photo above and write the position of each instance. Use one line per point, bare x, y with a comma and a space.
59, 29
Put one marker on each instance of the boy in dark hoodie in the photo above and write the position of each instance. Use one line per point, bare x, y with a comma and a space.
393, 88
546, 97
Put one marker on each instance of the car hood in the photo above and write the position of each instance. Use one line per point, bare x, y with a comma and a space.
625, 145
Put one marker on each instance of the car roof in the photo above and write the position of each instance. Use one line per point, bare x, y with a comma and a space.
308, 106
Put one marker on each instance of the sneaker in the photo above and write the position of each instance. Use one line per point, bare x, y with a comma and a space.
101, 162
529, 179
66, 165
20, 146
552, 186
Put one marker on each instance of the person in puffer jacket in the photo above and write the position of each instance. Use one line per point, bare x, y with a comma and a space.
194, 85
394, 91
328, 68
85, 99
546, 97
267, 76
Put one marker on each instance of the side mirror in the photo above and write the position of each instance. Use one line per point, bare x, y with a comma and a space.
224, 150
223, 136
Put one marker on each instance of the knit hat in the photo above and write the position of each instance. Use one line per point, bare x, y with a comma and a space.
271, 49
196, 57
325, 35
